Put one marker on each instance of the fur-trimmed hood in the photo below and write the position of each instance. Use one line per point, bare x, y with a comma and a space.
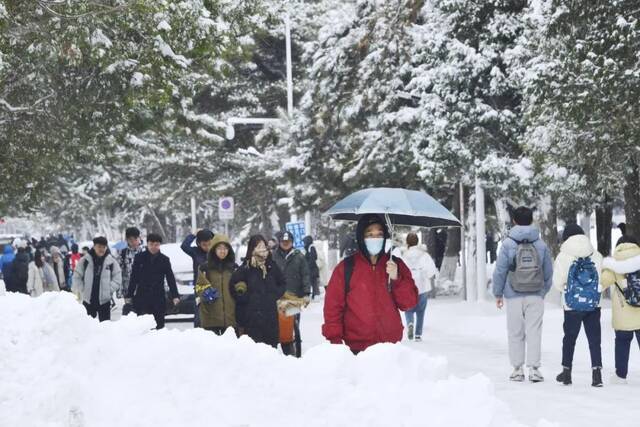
626, 259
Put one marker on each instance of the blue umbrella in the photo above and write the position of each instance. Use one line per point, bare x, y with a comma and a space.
397, 205
119, 245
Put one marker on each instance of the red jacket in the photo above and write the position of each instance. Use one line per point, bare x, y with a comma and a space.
370, 315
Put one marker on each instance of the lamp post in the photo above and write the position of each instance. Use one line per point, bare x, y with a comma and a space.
230, 132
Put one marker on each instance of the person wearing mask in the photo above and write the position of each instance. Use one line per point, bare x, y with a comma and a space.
198, 254
127, 255
367, 290
293, 265
621, 273
146, 286
41, 276
423, 271
523, 277
96, 277
217, 306
576, 275
256, 286
311, 256
60, 268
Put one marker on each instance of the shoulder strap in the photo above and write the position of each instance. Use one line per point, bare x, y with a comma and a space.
348, 272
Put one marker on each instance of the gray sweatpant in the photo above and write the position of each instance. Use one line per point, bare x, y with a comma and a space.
524, 326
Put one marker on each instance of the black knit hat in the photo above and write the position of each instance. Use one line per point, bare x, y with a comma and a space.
571, 230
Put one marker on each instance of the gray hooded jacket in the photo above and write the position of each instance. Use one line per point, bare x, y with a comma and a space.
110, 278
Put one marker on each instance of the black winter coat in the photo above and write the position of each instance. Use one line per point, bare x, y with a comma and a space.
256, 309
198, 256
148, 274
20, 272
295, 270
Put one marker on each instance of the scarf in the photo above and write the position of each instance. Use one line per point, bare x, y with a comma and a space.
261, 264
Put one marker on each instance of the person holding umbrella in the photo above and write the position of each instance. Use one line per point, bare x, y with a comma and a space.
366, 291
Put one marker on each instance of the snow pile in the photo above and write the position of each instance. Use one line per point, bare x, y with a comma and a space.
61, 368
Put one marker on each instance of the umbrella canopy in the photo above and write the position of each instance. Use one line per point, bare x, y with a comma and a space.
400, 206
120, 245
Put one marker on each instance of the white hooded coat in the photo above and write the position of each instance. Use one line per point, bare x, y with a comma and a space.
422, 267
578, 246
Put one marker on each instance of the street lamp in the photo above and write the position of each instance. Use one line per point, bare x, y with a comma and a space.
230, 132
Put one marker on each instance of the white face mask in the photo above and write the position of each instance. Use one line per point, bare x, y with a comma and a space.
374, 245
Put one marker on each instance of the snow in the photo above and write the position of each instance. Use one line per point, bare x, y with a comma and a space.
164, 26
57, 362
98, 38
137, 79
167, 51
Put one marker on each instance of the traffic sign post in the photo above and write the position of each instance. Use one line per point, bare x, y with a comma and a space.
226, 211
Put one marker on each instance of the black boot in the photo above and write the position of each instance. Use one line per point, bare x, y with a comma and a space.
596, 375
565, 376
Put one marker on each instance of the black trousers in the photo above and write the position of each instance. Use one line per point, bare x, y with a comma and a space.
623, 348
297, 338
103, 311
315, 286
157, 308
573, 320
288, 348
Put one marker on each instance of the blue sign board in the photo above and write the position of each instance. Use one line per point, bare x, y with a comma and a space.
298, 231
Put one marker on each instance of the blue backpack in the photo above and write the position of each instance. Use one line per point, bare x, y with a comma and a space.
581, 293
632, 292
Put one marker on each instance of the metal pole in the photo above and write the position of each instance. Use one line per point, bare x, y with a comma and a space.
481, 246
463, 252
226, 228
287, 26
193, 215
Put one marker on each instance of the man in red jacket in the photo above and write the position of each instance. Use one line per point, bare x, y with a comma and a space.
366, 290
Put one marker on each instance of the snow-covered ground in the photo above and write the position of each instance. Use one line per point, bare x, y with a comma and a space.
58, 365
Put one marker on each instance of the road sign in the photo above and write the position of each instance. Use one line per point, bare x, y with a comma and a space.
298, 231
226, 208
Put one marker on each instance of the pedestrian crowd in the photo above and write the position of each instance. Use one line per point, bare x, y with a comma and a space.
263, 294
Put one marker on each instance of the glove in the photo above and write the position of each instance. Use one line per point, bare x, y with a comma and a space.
241, 288
306, 300
210, 295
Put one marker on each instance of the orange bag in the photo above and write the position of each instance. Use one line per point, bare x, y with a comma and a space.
286, 328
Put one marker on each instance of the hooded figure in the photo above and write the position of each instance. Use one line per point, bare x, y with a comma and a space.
217, 307
361, 308
578, 246
6, 266
626, 318
60, 268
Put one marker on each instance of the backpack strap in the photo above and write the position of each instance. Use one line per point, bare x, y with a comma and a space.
348, 272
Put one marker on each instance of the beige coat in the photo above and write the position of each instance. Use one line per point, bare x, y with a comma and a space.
626, 259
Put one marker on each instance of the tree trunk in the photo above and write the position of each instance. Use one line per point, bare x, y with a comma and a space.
632, 198
604, 218
548, 224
